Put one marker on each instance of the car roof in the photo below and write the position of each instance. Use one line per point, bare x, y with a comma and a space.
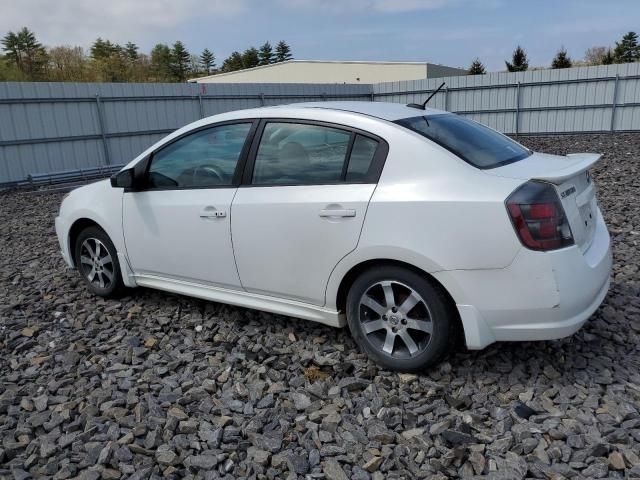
384, 110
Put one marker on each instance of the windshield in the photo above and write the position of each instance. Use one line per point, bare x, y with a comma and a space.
474, 143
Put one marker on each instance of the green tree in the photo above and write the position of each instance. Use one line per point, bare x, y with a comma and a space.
9, 72
562, 59
131, 51
627, 50
608, 58
250, 58
161, 63
207, 61
283, 52
233, 62
180, 61
519, 61
26, 53
266, 54
103, 49
477, 68
109, 61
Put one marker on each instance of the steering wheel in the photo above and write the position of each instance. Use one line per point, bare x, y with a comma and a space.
208, 171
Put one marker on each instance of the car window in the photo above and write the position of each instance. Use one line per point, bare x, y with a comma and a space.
471, 141
300, 154
206, 158
364, 149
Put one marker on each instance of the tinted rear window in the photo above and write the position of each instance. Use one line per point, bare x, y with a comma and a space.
474, 143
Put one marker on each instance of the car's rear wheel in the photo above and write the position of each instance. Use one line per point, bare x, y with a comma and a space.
97, 261
399, 318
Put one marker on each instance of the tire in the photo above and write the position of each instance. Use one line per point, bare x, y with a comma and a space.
381, 324
100, 271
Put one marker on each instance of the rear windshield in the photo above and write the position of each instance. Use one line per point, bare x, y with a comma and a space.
474, 143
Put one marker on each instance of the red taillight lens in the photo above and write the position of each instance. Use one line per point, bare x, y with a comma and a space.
538, 217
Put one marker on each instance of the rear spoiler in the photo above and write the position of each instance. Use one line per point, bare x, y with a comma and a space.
583, 161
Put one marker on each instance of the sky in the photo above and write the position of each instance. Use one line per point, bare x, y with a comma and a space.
449, 32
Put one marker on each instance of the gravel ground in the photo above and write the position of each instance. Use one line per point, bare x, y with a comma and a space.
160, 385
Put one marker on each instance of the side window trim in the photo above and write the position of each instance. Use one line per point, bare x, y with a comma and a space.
377, 164
347, 158
237, 175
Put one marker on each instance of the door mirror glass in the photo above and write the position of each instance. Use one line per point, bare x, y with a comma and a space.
123, 179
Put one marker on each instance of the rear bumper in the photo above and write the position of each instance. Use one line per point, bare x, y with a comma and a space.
540, 296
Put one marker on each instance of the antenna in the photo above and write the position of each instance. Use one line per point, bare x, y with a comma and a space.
423, 106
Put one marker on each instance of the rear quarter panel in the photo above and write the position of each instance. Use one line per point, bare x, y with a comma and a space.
434, 211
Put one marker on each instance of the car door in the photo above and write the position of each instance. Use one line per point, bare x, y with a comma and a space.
302, 205
178, 226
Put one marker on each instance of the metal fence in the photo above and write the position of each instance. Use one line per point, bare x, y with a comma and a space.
573, 100
65, 127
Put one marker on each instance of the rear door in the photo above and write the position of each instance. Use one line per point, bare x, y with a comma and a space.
302, 204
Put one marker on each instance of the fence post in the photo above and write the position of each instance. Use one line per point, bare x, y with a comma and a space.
103, 132
373, 95
262, 99
614, 104
200, 105
446, 99
518, 108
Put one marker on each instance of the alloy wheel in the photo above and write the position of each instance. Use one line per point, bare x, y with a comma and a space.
96, 263
395, 319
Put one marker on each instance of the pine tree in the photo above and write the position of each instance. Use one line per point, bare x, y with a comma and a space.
12, 48
103, 49
180, 60
519, 62
161, 63
207, 61
266, 54
131, 51
477, 68
627, 50
233, 62
283, 52
250, 58
562, 59
24, 50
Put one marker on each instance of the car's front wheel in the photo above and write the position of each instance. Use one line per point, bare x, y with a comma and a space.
399, 318
97, 261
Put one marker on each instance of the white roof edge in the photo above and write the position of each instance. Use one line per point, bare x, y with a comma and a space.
363, 62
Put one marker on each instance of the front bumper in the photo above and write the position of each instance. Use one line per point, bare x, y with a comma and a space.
540, 296
61, 232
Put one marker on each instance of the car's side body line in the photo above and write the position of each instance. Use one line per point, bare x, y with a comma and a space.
265, 303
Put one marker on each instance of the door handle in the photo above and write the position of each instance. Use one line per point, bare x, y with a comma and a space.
212, 212
337, 212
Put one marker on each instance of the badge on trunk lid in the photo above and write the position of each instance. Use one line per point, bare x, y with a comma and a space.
568, 192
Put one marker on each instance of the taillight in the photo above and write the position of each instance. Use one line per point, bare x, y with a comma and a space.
538, 217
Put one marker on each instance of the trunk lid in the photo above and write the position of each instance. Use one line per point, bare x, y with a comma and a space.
570, 176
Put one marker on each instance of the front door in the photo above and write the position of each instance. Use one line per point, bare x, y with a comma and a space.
179, 226
302, 208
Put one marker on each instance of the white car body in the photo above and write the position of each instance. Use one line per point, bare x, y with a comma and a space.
429, 209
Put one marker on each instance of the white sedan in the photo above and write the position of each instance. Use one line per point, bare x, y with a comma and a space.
410, 225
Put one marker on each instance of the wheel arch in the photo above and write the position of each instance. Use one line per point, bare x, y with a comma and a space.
74, 231
356, 270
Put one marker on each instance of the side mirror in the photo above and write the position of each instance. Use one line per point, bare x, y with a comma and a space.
123, 179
